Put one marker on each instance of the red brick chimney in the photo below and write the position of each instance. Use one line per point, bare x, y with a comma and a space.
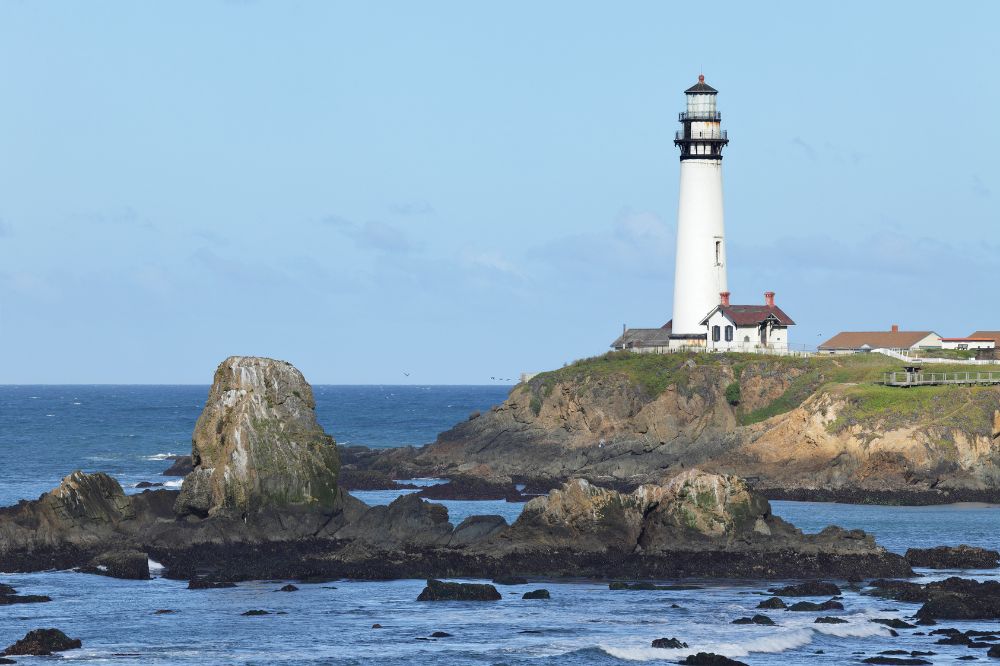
769, 299
895, 328
724, 298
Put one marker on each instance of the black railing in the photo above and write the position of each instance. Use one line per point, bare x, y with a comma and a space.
699, 115
719, 135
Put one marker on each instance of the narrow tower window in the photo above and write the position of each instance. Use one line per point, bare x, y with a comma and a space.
718, 253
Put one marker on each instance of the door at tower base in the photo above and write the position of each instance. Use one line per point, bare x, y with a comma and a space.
747, 328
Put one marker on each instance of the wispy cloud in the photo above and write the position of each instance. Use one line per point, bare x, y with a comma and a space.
373, 235
418, 207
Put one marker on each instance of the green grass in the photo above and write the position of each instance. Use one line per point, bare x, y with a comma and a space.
856, 376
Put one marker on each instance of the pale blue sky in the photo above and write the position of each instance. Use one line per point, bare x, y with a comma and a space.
463, 190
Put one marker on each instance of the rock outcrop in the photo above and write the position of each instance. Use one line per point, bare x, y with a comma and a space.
803, 428
43, 642
263, 502
953, 557
257, 444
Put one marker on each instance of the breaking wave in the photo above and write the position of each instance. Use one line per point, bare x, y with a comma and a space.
788, 640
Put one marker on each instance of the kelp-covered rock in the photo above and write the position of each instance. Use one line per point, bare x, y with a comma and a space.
257, 444
42, 642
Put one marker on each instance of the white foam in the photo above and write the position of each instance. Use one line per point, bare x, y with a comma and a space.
160, 456
176, 483
780, 642
154, 566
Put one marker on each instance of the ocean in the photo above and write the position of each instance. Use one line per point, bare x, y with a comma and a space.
129, 431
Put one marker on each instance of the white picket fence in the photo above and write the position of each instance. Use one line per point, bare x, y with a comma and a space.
904, 355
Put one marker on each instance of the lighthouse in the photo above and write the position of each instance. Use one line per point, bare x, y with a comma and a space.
700, 269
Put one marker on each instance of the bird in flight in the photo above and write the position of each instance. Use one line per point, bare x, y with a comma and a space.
407, 374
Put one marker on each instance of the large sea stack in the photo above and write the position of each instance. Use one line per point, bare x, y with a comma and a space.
257, 444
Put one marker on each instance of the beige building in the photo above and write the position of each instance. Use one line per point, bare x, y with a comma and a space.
849, 342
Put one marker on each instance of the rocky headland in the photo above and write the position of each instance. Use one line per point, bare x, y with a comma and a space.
818, 428
263, 500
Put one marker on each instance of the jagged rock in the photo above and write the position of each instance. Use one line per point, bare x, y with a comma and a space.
811, 606
369, 479
257, 444
669, 643
905, 661
148, 484
128, 564
756, 619
255, 612
476, 528
898, 590
961, 599
953, 557
407, 519
773, 602
199, 584
710, 659
437, 590
827, 619
182, 466
440, 634
537, 594
42, 642
466, 487
816, 588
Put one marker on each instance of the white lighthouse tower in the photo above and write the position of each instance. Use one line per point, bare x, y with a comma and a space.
700, 273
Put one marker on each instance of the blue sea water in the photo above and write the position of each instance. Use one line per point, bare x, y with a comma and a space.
48, 431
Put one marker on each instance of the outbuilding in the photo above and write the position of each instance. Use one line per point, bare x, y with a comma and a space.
850, 342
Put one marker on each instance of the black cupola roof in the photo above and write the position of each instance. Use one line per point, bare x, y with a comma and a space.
701, 87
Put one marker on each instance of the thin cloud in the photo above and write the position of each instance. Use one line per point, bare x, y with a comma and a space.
373, 235
412, 208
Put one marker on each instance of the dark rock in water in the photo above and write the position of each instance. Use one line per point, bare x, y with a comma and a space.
772, 603
440, 634
906, 661
953, 557
5, 660
510, 580
9, 597
893, 623
437, 590
288, 588
376, 626
148, 484
42, 642
182, 466
619, 585
369, 479
253, 613
164, 611
536, 594
961, 599
756, 619
201, 584
815, 588
466, 487
811, 606
994, 652
127, 564
710, 659
669, 643
829, 619
899, 590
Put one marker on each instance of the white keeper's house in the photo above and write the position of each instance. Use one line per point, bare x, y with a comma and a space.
703, 317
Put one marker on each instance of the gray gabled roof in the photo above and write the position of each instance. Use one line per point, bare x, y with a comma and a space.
643, 337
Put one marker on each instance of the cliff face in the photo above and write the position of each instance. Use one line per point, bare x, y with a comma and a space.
798, 425
257, 444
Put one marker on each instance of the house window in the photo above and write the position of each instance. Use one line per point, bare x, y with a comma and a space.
746, 338
716, 331
729, 333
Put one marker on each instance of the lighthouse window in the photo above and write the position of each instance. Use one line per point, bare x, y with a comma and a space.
715, 333
718, 253
729, 333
